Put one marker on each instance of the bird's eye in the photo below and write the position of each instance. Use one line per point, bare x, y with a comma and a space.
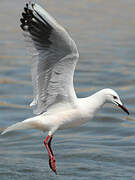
115, 97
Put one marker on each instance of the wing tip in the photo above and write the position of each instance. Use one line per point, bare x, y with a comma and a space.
27, 16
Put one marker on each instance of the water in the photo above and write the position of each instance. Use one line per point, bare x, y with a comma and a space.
104, 148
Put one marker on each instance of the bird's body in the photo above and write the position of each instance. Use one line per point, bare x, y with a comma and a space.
64, 116
55, 102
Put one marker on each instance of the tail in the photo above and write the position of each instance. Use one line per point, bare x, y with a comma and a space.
31, 123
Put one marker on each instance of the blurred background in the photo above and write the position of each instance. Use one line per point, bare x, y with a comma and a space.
104, 148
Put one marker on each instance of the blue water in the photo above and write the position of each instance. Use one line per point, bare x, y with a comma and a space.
104, 148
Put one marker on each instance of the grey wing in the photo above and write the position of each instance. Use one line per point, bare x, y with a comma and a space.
54, 63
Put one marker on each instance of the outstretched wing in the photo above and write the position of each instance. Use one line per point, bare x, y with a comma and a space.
54, 63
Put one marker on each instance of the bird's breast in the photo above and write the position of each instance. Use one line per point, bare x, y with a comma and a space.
73, 118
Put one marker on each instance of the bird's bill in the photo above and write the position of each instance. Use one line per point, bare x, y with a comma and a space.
123, 108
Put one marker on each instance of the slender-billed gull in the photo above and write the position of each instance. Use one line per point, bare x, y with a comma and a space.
55, 102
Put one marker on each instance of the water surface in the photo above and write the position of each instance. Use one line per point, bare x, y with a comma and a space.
104, 148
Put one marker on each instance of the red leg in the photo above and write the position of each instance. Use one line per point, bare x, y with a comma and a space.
50, 153
49, 144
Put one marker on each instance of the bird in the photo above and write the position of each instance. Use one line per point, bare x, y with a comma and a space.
55, 103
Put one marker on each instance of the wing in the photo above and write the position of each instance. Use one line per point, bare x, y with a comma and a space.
54, 63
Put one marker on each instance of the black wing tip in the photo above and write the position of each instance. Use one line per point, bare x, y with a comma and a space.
35, 25
29, 19
30, 3
27, 16
27, 5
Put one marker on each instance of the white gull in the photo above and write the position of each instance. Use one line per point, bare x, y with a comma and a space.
55, 102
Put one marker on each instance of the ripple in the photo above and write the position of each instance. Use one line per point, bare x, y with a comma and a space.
104, 148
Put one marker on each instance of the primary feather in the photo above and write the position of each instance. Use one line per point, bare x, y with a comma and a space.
54, 64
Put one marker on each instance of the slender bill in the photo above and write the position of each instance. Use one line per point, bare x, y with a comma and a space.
123, 108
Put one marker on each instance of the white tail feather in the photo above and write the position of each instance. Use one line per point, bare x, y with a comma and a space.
31, 123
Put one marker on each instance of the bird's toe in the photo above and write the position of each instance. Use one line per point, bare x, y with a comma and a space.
52, 164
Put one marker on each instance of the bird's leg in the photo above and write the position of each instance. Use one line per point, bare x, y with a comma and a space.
49, 144
52, 160
50, 153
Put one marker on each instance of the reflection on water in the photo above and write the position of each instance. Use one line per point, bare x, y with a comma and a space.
102, 149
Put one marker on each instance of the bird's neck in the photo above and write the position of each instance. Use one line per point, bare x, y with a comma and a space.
95, 102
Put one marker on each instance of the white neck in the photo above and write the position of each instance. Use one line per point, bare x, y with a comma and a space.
95, 102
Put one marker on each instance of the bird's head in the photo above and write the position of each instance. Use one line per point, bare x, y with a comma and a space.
112, 97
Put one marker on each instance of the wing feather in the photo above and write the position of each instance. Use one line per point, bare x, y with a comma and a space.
54, 63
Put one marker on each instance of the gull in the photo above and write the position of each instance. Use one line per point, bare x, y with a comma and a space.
55, 102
